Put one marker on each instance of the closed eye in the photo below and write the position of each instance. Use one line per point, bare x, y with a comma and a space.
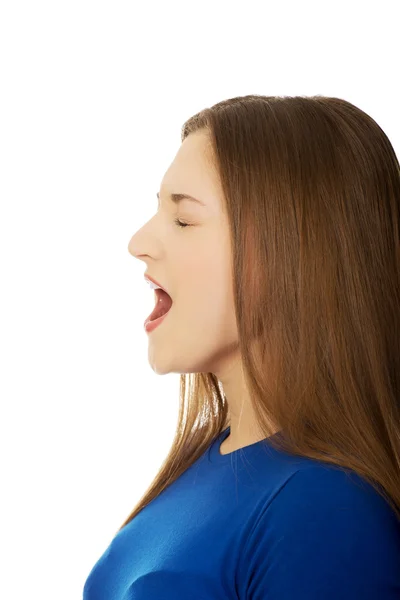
181, 223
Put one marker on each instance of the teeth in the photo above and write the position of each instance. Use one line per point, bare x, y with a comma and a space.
153, 286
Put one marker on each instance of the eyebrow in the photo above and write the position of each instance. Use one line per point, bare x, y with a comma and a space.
179, 197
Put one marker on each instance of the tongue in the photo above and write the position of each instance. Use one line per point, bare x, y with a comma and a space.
164, 303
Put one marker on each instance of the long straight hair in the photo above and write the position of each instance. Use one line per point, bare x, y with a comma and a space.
311, 189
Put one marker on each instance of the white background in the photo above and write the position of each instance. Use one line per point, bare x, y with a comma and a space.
92, 99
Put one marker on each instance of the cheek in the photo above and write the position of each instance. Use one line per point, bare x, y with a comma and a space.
207, 304
205, 285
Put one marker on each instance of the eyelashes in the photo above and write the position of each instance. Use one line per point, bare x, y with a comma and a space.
181, 224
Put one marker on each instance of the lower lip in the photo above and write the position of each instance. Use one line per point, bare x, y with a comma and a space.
149, 326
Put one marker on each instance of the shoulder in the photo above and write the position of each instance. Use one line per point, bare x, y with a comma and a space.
325, 491
326, 533
329, 484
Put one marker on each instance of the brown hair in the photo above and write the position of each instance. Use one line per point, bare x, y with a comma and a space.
311, 188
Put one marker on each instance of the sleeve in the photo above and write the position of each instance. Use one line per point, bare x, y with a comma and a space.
327, 534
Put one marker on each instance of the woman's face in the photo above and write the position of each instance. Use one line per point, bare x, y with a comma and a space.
193, 263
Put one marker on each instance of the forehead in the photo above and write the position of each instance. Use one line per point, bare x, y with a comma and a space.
191, 170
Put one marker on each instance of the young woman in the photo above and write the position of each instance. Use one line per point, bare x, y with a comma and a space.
279, 306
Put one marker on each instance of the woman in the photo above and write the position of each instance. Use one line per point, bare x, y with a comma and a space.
280, 304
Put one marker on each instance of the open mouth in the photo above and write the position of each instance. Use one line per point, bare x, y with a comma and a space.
163, 305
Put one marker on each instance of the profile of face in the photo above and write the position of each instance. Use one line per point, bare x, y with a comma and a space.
193, 264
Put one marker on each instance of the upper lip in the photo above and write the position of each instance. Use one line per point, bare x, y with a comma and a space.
148, 278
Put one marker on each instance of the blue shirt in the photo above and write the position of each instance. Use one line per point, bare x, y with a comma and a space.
255, 524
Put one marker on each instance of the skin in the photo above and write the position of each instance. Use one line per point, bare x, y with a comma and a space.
194, 265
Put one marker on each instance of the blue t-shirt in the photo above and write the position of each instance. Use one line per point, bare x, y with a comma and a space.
255, 524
